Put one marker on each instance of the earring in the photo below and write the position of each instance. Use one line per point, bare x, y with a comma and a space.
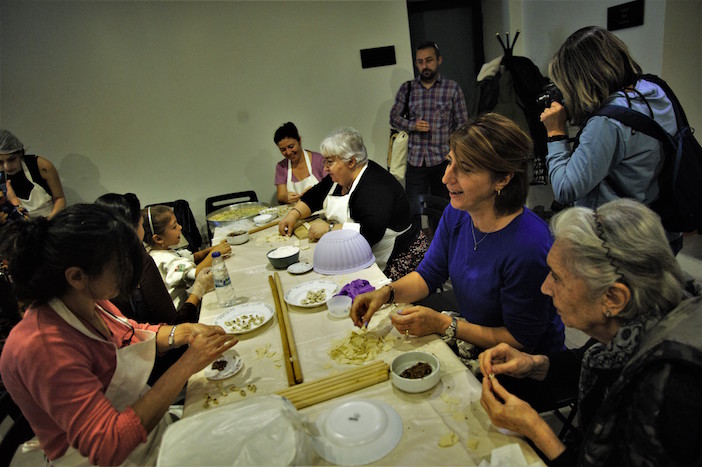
499, 191
608, 313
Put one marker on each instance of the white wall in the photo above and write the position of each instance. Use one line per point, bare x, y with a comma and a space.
181, 99
667, 44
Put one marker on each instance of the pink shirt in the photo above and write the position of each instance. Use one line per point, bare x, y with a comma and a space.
58, 378
316, 160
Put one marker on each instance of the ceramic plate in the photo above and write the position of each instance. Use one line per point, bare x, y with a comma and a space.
244, 318
299, 268
298, 294
233, 363
357, 432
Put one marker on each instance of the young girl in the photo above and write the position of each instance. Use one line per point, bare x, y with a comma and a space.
178, 268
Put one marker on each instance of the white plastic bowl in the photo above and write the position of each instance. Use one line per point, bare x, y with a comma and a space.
339, 306
342, 252
237, 237
408, 360
263, 219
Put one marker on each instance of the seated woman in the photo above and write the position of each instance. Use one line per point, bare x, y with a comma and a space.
489, 244
74, 365
150, 301
32, 179
359, 194
178, 268
299, 170
614, 277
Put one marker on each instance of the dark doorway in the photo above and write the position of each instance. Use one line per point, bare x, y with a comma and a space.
457, 28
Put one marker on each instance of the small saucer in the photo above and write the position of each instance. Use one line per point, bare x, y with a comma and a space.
299, 268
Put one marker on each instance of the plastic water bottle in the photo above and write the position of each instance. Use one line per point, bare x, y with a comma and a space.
222, 282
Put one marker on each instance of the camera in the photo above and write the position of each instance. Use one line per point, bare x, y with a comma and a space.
551, 94
12, 212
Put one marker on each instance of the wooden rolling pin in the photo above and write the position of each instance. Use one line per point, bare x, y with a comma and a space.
313, 392
283, 333
294, 358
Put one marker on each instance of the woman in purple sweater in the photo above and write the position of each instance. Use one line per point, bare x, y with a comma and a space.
489, 244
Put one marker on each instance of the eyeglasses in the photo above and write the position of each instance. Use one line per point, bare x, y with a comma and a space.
329, 161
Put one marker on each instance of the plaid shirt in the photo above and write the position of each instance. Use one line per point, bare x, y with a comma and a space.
442, 105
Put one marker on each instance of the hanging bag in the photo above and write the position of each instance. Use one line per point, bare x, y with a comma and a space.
399, 144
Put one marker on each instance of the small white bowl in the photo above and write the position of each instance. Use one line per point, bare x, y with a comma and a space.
408, 360
272, 211
263, 219
237, 237
339, 306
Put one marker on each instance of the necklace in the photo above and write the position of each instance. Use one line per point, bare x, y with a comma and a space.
476, 242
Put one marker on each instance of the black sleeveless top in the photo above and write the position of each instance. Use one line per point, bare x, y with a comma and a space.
21, 184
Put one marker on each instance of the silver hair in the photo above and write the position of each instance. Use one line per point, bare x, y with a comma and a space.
622, 241
9, 143
346, 143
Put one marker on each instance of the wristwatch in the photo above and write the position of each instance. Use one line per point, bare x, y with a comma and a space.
331, 227
450, 331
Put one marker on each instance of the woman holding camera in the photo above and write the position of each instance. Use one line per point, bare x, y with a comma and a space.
592, 69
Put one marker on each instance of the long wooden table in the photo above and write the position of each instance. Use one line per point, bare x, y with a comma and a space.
452, 406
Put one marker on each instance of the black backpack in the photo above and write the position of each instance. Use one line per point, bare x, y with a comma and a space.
679, 203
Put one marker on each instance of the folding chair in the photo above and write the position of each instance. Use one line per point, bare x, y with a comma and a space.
19, 431
433, 207
215, 202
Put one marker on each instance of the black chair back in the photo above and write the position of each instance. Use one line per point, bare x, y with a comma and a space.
19, 431
185, 218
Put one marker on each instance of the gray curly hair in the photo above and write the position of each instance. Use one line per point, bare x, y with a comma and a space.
345, 143
622, 241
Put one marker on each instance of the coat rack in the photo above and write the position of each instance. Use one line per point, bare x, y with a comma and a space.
509, 47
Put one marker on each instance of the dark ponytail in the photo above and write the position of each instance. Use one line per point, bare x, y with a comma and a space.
87, 236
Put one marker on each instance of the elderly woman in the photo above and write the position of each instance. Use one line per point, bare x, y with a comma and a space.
489, 244
299, 170
32, 181
75, 366
359, 194
614, 277
592, 69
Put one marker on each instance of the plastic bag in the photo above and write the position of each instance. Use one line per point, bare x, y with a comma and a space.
265, 430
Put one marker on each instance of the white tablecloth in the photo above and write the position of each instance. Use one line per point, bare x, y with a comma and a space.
452, 406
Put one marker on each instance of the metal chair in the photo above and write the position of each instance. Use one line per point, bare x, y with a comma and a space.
433, 207
18, 433
215, 202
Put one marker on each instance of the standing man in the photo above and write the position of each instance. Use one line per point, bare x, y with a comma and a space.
436, 108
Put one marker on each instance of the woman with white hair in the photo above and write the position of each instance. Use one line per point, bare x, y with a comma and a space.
614, 277
361, 195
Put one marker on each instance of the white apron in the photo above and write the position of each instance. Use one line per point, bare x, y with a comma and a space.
128, 384
307, 182
336, 209
40, 203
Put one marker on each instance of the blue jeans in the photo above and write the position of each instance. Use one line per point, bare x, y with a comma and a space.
421, 181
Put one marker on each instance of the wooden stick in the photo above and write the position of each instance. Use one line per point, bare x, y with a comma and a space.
339, 390
294, 358
328, 381
283, 334
263, 227
340, 387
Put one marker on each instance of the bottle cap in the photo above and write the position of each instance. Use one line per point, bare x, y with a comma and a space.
216, 254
